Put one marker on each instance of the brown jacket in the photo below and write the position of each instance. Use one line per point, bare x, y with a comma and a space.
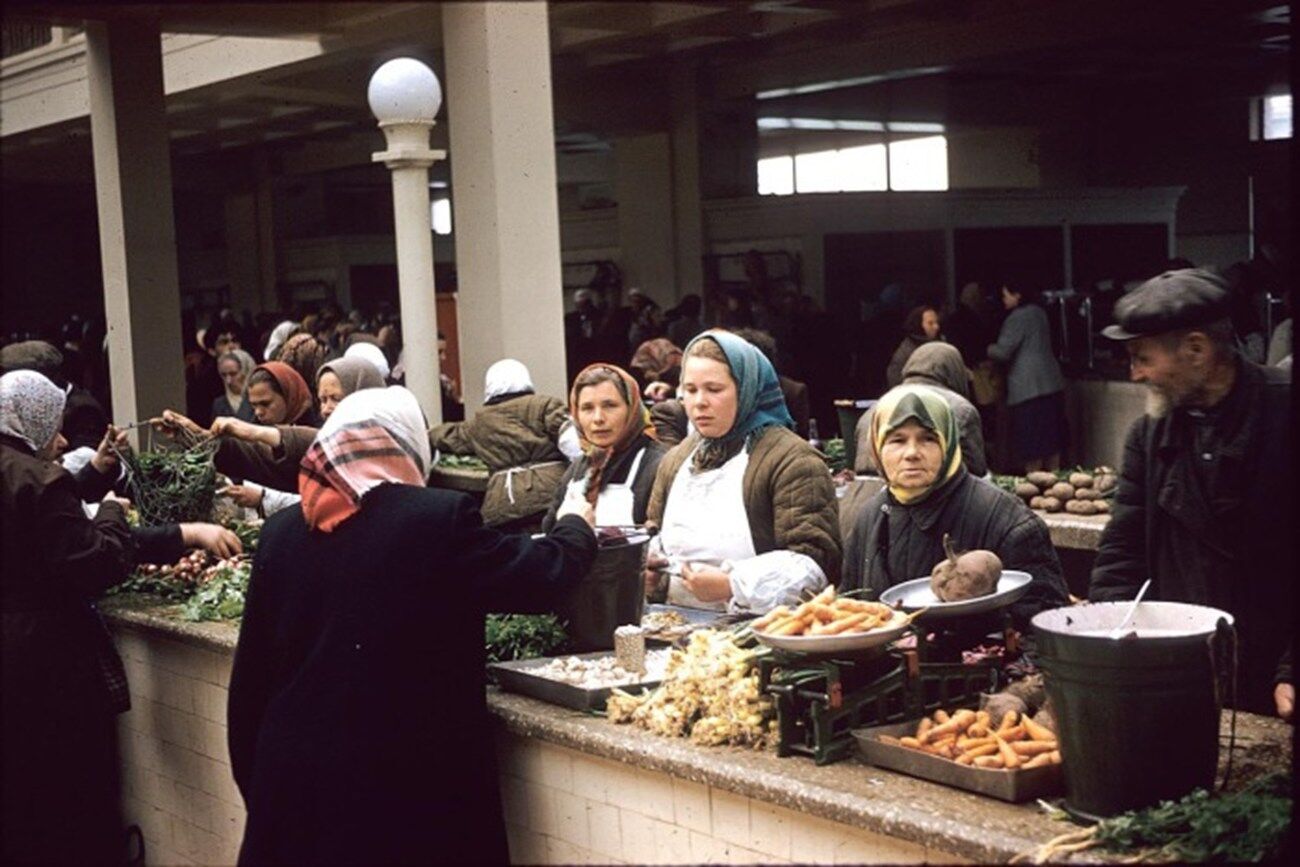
273, 467
521, 432
789, 497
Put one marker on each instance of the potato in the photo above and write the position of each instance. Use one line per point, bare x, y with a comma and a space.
1042, 478
1102, 506
1062, 491
1081, 507
1025, 490
1050, 504
1081, 480
1105, 483
1036, 502
1088, 494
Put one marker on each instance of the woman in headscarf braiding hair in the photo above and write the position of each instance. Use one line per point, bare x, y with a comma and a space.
746, 508
337, 628
898, 535
619, 453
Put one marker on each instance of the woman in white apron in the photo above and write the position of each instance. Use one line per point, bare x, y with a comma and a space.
746, 508
619, 453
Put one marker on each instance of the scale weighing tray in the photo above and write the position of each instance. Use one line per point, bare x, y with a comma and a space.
916, 594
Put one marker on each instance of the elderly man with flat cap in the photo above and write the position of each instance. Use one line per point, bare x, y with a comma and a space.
1206, 491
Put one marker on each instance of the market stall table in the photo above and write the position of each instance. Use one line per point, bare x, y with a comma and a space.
469, 481
575, 787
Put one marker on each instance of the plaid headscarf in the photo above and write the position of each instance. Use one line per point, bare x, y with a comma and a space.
928, 408
297, 396
638, 422
760, 402
31, 407
375, 437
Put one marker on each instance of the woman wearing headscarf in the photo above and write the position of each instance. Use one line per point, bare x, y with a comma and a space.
517, 434
63, 683
348, 715
371, 353
940, 366
899, 534
746, 508
336, 380
619, 452
234, 368
279, 335
658, 360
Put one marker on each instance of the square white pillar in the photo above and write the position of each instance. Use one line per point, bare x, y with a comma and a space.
137, 233
504, 200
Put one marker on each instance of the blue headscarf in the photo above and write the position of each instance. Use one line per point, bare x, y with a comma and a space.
760, 402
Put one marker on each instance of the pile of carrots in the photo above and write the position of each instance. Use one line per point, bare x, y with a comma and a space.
825, 614
969, 738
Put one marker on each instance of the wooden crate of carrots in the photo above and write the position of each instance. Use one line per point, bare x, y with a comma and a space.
825, 614
969, 737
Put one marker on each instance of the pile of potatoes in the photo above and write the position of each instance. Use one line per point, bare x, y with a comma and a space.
1084, 493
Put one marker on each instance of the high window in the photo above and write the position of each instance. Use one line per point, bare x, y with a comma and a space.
897, 156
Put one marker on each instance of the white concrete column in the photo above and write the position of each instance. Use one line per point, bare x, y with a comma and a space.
504, 203
644, 187
137, 233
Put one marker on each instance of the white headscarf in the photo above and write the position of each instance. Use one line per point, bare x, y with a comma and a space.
507, 376
31, 408
395, 409
277, 338
373, 354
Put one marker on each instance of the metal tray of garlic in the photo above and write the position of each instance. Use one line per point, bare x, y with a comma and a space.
582, 682
916, 594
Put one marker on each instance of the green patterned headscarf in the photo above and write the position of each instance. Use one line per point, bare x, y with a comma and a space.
928, 408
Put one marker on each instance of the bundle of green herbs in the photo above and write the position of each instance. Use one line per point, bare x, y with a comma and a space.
169, 486
1250, 824
462, 462
522, 636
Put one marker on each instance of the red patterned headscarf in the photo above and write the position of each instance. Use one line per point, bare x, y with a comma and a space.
375, 437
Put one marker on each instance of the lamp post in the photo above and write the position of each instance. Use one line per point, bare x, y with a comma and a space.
404, 96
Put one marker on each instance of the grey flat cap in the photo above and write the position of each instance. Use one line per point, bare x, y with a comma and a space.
1175, 299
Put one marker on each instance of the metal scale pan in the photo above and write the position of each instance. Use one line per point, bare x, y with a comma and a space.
916, 594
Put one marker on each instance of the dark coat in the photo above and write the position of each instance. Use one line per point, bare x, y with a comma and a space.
221, 407
1232, 547
357, 715
796, 401
63, 682
616, 473
977, 515
273, 467
670, 421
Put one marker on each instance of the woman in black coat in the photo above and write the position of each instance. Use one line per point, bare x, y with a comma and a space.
357, 719
899, 534
63, 682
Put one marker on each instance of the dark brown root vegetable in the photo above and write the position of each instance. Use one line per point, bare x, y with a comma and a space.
1042, 478
1081, 507
1025, 490
1081, 480
1030, 690
1061, 490
965, 576
1051, 504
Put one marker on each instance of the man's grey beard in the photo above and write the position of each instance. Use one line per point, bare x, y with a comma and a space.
1158, 403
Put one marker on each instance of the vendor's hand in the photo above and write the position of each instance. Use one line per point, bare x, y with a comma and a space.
653, 564
1284, 698
580, 506
247, 495
707, 583
171, 421
105, 459
214, 539
237, 428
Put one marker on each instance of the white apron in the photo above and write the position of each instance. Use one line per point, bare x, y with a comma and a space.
615, 503
705, 522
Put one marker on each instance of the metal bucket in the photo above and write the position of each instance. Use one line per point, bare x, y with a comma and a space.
610, 595
1138, 717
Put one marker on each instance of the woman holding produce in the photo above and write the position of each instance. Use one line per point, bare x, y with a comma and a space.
63, 682
1035, 386
899, 534
346, 710
746, 508
619, 452
234, 368
517, 434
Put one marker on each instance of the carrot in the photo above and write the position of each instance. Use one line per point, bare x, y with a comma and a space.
972, 754
982, 717
1041, 760
941, 716
823, 612
771, 617
968, 743
1008, 720
1015, 733
1009, 756
1033, 748
978, 729
1038, 731
1056, 756
923, 729
910, 743
845, 623
989, 762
